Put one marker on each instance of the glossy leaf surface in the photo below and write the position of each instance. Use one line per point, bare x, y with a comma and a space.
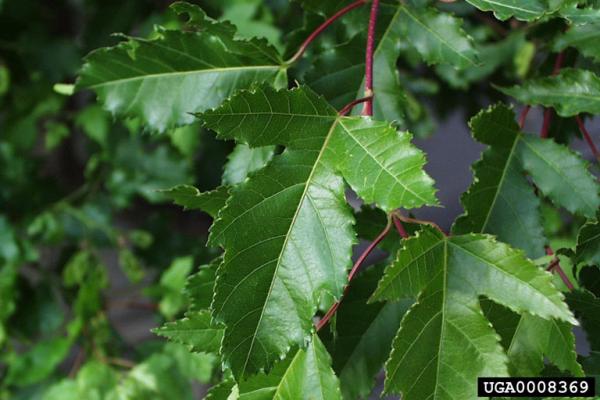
447, 324
300, 258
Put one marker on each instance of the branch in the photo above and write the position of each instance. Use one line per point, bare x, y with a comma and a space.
368, 108
587, 137
322, 27
355, 268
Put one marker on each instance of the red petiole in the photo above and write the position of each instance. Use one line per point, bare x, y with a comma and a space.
587, 137
355, 268
322, 27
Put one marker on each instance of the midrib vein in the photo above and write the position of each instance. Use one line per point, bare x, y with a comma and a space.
287, 236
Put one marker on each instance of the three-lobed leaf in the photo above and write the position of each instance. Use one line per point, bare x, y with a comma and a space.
446, 325
273, 279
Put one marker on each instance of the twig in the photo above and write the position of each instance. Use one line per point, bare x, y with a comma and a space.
368, 107
348, 107
587, 137
322, 27
355, 268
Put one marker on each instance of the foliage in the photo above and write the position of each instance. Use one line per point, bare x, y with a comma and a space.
293, 152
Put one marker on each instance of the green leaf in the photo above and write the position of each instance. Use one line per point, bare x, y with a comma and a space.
308, 375
222, 390
243, 160
196, 330
95, 122
591, 365
172, 282
582, 37
524, 10
338, 73
190, 198
587, 308
94, 381
499, 179
489, 204
415, 264
507, 52
131, 265
56, 132
438, 37
165, 79
4, 78
571, 92
157, 378
37, 363
580, 16
560, 174
529, 339
199, 286
446, 325
588, 244
364, 334
273, 279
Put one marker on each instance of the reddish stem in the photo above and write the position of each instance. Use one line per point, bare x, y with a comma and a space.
523, 116
399, 227
348, 107
368, 251
546, 125
355, 268
418, 221
555, 266
560, 58
587, 137
322, 27
368, 108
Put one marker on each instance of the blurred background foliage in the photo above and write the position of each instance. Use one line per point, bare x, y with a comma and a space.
88, 241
